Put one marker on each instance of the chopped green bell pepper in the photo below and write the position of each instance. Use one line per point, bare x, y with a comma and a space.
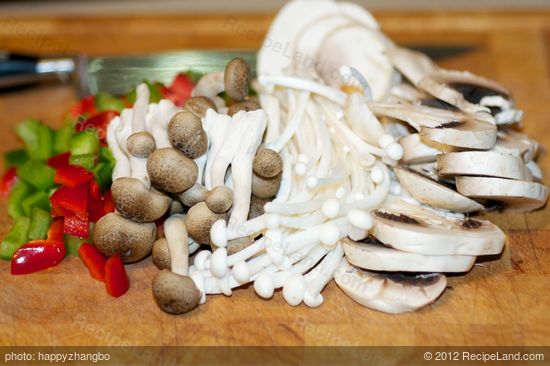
38, 138
62, 139
15, 238
85, 160
15, 157
18, 193
40, 223
37, 174
38, 199
107, 102
85, 143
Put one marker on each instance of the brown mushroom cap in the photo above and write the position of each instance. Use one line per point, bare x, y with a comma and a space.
246, 106
197, 193
186, 134
171, 171
141, 144
161, 254
219, 199
175, 294
199, 220
135, 202
113, 234
199, 105
236, 79
267, 163
265, 187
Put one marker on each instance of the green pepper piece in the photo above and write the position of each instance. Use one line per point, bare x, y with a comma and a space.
38, 138
85, 143
85, 160
62, 139
40, 223
15, 157
73, 243
18, 193
15, 238
37, 174
38, 199
108, 102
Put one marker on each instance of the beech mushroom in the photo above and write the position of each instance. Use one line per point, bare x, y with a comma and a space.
113, 234
171, 171
137, 203
199, 105
187, 135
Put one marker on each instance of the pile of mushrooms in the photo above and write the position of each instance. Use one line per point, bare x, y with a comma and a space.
359, 161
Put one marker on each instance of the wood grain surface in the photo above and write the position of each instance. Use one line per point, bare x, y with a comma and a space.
502, 301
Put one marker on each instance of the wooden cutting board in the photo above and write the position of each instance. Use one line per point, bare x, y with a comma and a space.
502, 301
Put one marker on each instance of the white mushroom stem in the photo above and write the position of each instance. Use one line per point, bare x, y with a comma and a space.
122, 166
178, 243
241, 165
317, 280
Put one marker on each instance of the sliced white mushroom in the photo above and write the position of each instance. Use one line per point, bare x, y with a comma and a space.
483, 163
389, 293
372, 255
433, 193
514, 194
410, 229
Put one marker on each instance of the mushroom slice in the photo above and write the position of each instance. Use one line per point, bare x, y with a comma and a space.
445, 127
390, 293
416, 151
372, 255
516, 195
433, 193
483, 163
410, 229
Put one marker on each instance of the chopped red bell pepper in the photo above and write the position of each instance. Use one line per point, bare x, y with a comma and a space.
108, 205
76, 226
85, 107
55, 232
72, 176
94, 260
74, 200
180, 90
36, 256
59, 161
8, 180
99, 122
116, 279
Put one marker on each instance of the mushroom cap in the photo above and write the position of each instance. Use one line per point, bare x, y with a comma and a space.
161, 254
265, 188
175, 294
135, 202
199, 220
114, 234
236, 79
199, 105
267, 163
197, 193
246, 106
171, 171
141, 144
220, 199
186, 134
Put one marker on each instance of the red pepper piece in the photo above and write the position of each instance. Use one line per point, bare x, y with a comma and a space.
76, 226
36, 256
59, 161
99, 122
116, 279
74, 200
180, 90
108, 205
8, 180
55, 232
72, 176
94, 260
85, 107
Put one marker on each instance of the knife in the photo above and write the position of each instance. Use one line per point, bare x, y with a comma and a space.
118, 75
